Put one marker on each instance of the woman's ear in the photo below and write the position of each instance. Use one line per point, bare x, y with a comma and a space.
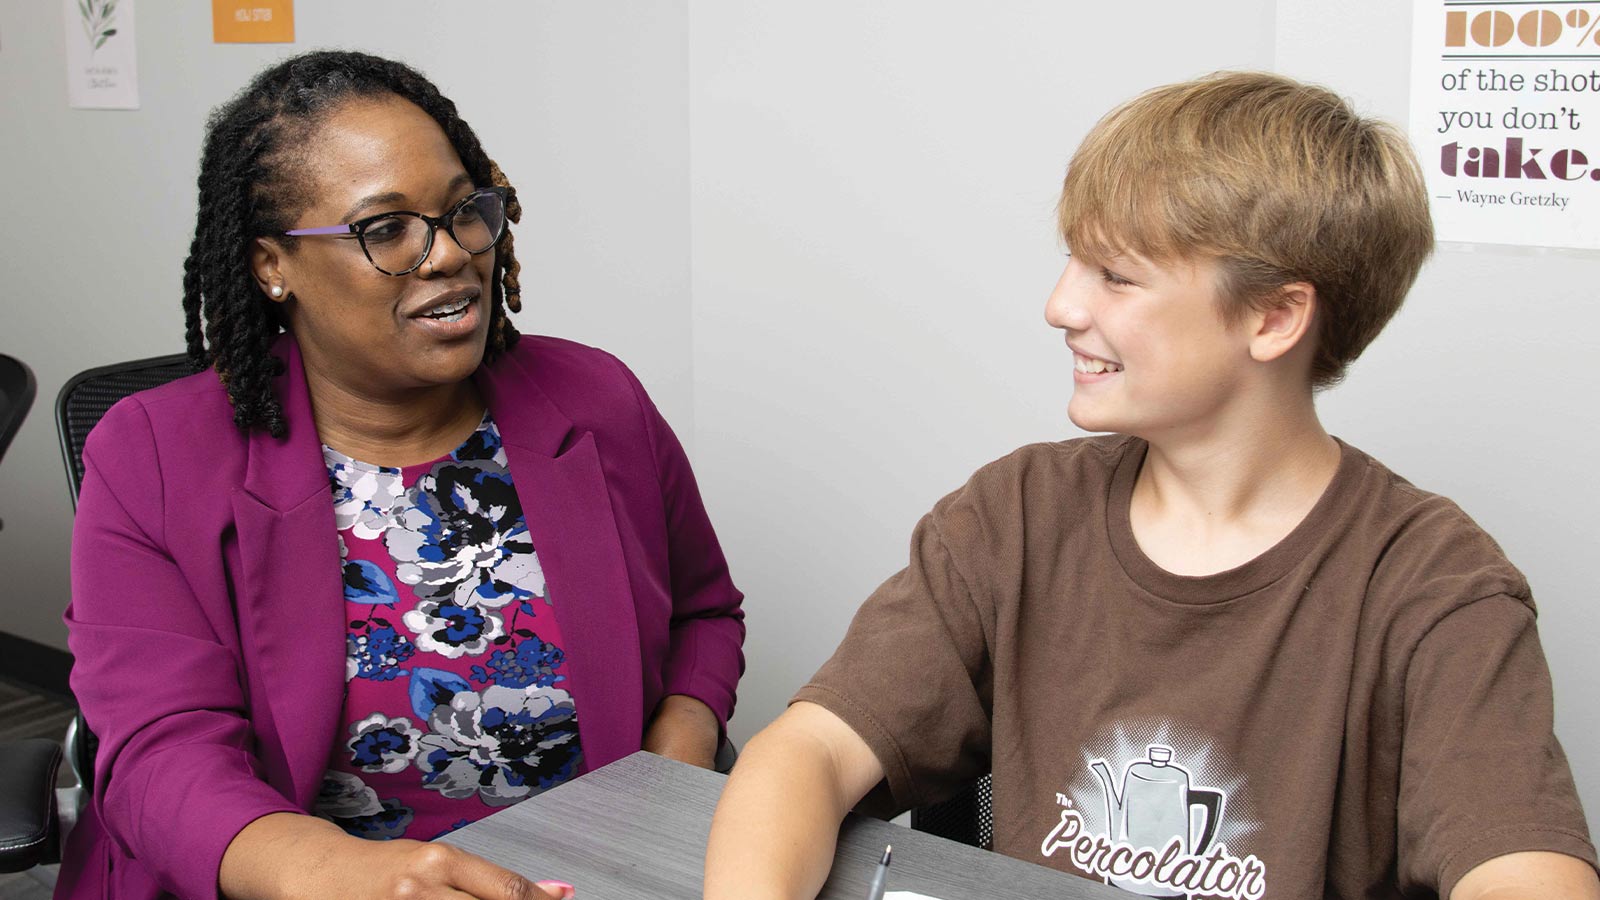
1285, 324
266, 256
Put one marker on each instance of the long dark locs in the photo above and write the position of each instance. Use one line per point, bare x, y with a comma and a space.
249, 188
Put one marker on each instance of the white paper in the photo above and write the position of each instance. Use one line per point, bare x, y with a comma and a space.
1505, 109
907, 895
102, 70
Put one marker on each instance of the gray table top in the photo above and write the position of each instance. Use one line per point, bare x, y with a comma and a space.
637, 829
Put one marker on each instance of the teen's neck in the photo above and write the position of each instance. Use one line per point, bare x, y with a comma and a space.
1205, 504
396, 430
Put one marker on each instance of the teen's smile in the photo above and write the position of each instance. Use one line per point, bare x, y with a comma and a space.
1088, 368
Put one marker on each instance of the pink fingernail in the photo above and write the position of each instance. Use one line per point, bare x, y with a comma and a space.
560, 888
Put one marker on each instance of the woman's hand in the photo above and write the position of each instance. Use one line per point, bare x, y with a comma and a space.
286, 856
684, 729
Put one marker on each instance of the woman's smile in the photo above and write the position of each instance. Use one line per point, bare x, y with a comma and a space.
450, 316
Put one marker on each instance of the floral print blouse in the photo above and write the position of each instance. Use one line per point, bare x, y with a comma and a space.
456, 703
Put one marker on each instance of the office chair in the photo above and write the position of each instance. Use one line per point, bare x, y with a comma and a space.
27, 768
34, 816
16, 396
967, 818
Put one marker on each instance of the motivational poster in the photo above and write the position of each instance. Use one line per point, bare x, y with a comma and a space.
1505, 113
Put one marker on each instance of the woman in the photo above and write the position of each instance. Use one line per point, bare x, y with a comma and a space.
387, 568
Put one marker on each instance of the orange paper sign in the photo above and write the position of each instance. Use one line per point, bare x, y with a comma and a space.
252, 21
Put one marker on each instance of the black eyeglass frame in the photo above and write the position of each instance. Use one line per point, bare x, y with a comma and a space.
358, 228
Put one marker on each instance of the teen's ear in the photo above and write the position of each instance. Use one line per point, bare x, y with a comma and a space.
1286, 324
266, 264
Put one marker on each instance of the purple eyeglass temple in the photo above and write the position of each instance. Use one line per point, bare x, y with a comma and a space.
329, 229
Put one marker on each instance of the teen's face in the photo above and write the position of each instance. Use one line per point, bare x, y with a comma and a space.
1152, 355
373, 333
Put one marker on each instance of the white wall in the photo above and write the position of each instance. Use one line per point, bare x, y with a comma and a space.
857, 198
585, 106
874, 189
1483, 388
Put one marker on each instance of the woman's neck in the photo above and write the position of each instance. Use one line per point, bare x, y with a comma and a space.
399, 429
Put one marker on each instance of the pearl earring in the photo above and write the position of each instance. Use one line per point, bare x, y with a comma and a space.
276, 290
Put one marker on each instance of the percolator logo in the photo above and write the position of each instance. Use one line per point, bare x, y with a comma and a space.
1161, 834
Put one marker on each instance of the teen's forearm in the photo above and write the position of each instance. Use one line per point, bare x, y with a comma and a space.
774, 831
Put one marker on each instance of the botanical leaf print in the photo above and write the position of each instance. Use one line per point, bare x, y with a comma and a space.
98, 16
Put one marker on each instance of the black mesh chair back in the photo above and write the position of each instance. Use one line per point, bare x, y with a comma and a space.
35, 815
17, 388
967, 818
79, 407
85, 398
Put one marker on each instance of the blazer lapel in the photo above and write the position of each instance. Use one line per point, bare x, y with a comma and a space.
291, 595
561, 482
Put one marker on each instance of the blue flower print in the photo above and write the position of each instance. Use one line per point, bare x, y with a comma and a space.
364, 582
377, 653
484, 444
364, 496
533, 662
461, 537
432, 688
501, 746
381, 744
345, 800
452, 630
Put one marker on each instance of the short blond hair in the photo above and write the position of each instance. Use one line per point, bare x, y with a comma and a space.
1276, 181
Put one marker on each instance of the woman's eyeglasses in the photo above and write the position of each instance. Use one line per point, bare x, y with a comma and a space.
396, 243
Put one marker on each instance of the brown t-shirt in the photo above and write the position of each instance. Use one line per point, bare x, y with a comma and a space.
1362, 711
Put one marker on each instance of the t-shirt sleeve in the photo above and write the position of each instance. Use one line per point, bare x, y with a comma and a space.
1482, 773
913, 676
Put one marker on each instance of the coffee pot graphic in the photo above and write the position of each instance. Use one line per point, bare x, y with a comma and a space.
1154, 806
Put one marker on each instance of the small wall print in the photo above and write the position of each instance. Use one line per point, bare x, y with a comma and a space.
102, 69
252, 21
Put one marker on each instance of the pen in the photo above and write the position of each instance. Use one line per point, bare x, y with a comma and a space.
875, 890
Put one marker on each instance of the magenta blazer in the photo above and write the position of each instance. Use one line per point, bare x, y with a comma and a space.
207, 618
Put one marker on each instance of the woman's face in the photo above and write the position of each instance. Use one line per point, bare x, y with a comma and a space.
376, 335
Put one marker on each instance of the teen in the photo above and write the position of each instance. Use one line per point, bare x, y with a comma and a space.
1216, 652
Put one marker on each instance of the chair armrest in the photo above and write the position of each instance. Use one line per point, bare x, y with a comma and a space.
28, 833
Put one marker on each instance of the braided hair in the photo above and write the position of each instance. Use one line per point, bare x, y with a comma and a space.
248, 189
